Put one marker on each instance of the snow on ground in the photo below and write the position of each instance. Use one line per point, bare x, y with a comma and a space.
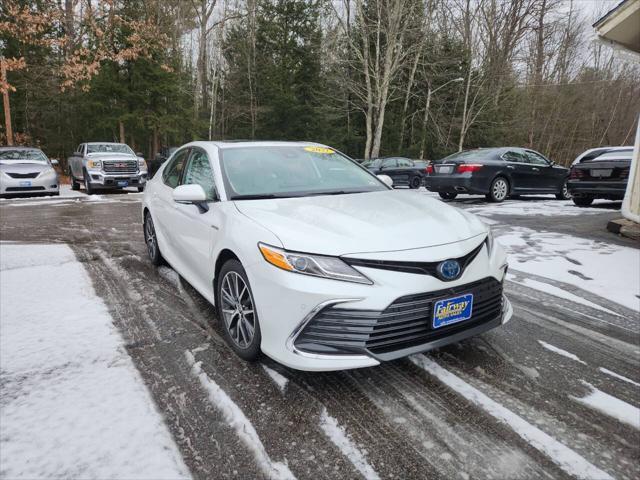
350, 450
277, 378
68, 196
72, 404
557, 292
618, 376
533, 208
609, 405
559, 351
236, 418
568, 460
604, 269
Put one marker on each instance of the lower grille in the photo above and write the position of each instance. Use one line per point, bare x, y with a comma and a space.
23, 175
120, 167
23, 189
406, 323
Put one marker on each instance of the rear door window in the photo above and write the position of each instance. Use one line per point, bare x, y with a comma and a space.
173, 171
512, 156
390, 163
403, 162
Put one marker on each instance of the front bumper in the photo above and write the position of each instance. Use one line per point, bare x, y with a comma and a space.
101, 179
456, 183
598, 189
46, 184
288, 302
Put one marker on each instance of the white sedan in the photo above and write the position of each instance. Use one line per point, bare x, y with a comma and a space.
316, 262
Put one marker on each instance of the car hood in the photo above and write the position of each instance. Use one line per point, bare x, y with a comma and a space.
362, 223
23, 166
111, 156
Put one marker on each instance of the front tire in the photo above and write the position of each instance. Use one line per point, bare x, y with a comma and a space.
564, 194
75, 185
151, 240
499, 190
87, 184
447, 195
415, 183
237, 311
583, 201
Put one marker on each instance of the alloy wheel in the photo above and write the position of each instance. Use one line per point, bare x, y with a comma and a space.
150, 237
500, 189
237, 309
565, 191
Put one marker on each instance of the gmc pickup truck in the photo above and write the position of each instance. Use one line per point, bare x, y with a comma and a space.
103, 165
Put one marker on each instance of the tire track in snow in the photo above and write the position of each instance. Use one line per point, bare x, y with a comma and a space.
240, 423
567, 459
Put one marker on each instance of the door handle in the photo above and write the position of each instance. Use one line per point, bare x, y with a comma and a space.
511, 167
535, 169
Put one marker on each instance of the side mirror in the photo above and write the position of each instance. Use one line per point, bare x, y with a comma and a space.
192, 194
54, 161
139, 154
386, 179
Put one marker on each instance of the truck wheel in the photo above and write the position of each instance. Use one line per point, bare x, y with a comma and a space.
447, 195
415, 182
74, 183
141, 189
583, 201
87, 184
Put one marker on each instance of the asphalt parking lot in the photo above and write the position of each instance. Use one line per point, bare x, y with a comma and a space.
529, 400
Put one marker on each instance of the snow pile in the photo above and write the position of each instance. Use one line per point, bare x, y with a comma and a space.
604, 269
73, 405
338, 436
618, 376
535, 208
568, 460
236, 418
609, 405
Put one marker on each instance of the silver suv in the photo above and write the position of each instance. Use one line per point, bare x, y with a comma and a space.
103, 165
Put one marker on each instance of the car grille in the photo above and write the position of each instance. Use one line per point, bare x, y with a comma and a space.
23, 175
406, 323
120, 167
422, 268
23, 189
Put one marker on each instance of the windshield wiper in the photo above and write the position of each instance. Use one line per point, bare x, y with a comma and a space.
258, 196
333, 192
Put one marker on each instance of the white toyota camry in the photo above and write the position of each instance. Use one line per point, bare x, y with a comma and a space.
316, 262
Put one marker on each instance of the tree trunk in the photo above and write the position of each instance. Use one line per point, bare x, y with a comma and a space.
5, 102
121, 127
425, 120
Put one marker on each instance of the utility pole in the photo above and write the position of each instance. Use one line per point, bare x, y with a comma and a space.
5, 102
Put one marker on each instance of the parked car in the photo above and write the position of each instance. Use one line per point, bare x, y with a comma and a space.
594, 152
603, 173
104, 165
27, 171
161, 157
497, 173
313, 260
402, 171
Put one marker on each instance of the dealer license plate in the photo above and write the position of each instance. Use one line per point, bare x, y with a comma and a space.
123, 183
452, 310
25, 183
600, 172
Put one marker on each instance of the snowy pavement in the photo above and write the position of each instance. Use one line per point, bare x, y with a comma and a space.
553, 394
73, 405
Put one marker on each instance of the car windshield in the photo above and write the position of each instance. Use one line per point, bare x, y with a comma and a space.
292, 171
480, 154
108, 148
21, 155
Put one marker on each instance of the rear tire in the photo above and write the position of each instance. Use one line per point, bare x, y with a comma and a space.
447, 195
564, 194
237, 311
87, 184
141, 189
74, 183
583, 201
415, 183
499, 190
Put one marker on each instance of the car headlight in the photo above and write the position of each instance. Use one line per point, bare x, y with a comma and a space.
97, 164
314, 265
142, 164
489, 240
48, 171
